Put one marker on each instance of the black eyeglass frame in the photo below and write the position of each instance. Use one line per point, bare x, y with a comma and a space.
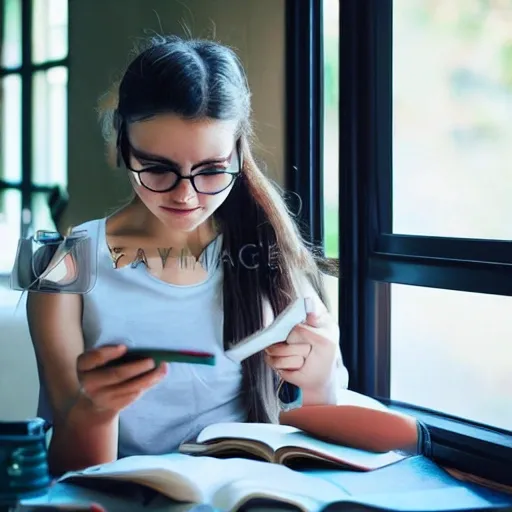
124, 150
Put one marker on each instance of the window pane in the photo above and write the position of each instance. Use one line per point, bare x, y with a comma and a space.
452, 105
11, 36
41, 215
331, 39
10, 128
50, 30
452, 351
10, 221
50, 126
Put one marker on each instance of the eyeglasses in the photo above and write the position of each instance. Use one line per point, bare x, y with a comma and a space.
161, 178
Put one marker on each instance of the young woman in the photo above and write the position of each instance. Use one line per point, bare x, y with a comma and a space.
204, 255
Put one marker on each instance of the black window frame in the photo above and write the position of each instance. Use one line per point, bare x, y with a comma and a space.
26, 72
371, 257
304, 112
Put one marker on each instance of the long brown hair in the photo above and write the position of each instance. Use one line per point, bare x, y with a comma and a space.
255, 213
200, 79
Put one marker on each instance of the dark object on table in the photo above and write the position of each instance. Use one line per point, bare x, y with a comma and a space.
23, 461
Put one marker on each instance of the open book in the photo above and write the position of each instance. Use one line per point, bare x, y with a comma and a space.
283, 444
180, 483
225, 484
359, 433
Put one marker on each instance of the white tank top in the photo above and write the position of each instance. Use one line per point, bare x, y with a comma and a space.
131, 306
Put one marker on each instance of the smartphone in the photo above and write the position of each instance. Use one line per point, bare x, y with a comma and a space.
164, 356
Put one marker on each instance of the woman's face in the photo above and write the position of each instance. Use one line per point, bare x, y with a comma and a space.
166, 146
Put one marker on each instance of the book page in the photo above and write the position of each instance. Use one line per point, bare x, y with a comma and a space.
174, 475
178, 476
357, 459
276, 482
203, 479
283, 436
265, 432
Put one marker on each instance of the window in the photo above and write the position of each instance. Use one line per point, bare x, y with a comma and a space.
330, 139
305, 93
33, 116
423, 186
458, 343
312, 108
451, 177
452, 151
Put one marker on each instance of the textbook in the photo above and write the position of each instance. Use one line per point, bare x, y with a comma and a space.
284, 444
225, 484
179, 483
230, 464
358, 433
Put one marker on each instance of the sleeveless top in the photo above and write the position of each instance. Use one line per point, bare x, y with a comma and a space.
131, 306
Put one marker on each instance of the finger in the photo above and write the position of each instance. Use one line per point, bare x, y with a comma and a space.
297, 334
316, 312
104, 377
286, 349
286, 363
97, 357
287, 375
276, 347
317, 320
137, 384
306, 333
120, 396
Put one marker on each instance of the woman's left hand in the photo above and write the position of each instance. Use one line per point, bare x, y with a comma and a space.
310, 357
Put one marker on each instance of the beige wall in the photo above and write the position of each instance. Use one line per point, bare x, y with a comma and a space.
100, 41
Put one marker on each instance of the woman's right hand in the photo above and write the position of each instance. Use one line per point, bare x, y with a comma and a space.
111, 389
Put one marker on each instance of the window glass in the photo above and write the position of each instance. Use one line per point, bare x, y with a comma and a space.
11, 36
452, 351
452, 106
50, 127
49, 30
42, 218
10, 221
331, 38
10, 129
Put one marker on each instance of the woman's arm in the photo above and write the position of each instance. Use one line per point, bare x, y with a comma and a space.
81, 437
311, 358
